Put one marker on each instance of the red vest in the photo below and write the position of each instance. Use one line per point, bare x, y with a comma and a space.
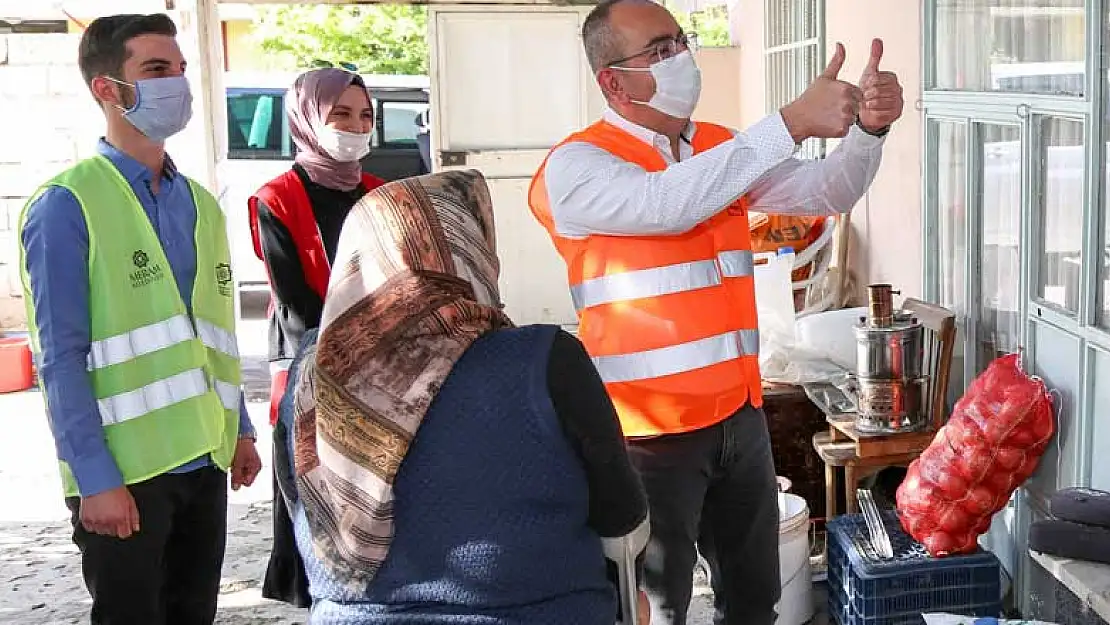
286, 198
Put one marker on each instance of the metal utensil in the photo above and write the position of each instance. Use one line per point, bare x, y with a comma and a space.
880, 540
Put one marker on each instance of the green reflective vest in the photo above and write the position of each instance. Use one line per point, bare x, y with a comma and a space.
167, 385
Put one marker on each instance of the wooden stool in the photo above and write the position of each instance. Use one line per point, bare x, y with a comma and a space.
859, 456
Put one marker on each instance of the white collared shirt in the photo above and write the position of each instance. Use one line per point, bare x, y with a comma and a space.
591, 191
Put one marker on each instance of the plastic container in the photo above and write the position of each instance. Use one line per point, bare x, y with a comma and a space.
795, 605
16, 368
865, 589
774, 299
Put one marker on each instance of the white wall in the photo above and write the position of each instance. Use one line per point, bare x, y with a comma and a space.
50, 121
721, 96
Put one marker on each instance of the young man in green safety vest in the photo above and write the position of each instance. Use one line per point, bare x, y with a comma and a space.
127, 278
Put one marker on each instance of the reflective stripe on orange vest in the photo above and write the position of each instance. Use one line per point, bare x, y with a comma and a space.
669, 321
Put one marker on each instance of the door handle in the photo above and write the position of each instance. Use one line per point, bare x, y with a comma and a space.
452, 159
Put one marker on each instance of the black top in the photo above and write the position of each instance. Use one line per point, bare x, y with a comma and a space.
297, 308
617, 500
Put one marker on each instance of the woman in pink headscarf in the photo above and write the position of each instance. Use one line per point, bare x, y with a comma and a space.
295, 222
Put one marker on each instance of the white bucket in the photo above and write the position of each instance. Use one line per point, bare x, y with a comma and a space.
795, 607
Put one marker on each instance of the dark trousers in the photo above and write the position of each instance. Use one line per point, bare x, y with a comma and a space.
169, 572
712, 490
285, 578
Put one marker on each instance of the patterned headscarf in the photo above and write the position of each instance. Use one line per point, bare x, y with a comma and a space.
414, 284
307, 104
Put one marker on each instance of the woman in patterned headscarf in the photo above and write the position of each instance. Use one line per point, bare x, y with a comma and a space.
450, 467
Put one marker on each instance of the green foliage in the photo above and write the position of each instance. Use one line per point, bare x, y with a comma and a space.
710, 24
378, 39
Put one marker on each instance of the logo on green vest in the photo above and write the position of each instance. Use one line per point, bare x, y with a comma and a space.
145, 273
223, 279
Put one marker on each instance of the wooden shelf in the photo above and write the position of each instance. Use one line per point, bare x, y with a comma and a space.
868, 445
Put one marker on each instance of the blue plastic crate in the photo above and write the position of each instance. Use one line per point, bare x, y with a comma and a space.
866, 589
843, 614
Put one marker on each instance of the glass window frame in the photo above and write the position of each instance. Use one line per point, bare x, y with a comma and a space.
929, 57
1030, 502
1037, 226
972, 106
793, 84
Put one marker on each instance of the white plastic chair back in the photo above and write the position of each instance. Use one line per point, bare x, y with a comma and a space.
822, 287
623, 551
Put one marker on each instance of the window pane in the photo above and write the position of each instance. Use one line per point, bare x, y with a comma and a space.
256, 126
951, 177
790, 21
948, 167
792, 57
1000, 206
1104, 270
1027, 46
1061, 210
400, 121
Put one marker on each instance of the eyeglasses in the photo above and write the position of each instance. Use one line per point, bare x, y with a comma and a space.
321, 63
665, 48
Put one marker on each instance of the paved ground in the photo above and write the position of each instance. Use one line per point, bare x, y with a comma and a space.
40, 577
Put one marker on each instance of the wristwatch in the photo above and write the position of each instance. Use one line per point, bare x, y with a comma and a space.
880, 133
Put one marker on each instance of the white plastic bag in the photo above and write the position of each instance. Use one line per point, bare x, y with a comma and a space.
831, 334
954, 619
774, 302
782, 357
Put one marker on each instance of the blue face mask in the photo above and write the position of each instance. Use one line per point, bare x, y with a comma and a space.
163, 106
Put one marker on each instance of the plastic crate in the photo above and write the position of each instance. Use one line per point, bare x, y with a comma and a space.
867, 590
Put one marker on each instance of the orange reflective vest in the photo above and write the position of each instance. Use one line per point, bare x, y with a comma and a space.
670, 321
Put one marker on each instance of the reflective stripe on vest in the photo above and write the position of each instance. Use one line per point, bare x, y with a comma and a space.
148, 339
162, 393
656, 363
630, 285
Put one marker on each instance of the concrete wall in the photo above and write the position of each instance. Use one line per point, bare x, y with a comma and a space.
51, 121
886, 224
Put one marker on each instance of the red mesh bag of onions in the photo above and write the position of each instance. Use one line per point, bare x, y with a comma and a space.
990, 446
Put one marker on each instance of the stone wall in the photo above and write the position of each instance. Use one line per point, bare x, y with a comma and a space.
49, 121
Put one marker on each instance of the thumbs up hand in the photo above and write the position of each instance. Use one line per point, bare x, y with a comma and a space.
828, 108
882, 94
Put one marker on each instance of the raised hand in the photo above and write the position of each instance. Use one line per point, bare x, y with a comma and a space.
828, 108
882, 94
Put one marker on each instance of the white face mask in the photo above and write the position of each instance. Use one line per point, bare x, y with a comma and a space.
677, 85
343, 146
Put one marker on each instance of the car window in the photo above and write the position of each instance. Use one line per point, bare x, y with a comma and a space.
256, 126
399, 123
